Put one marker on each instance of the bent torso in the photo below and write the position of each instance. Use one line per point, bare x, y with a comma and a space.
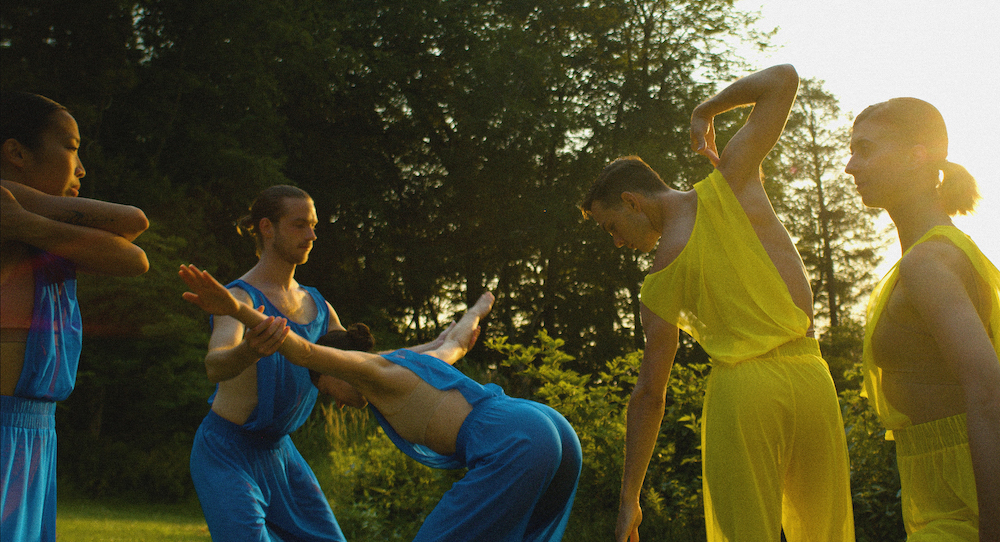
772, 235
417, 411
778, 245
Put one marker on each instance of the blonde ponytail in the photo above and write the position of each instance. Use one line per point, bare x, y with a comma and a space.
958, 190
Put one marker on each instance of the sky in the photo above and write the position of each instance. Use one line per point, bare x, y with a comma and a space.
944, 52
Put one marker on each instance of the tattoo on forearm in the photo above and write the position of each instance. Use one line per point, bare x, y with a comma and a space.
78, 218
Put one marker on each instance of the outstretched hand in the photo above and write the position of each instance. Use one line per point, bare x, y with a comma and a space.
207, 293
703, 136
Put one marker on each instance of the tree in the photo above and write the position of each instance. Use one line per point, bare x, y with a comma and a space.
836, 235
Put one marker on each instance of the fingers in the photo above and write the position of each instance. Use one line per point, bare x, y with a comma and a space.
268, 336
703, 138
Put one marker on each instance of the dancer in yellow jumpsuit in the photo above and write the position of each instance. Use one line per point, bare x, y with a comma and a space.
931, 351
726, 272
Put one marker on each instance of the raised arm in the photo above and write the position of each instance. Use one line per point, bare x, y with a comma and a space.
771, 92
92, 250
124, 220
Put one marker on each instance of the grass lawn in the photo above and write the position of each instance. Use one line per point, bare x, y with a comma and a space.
105, 521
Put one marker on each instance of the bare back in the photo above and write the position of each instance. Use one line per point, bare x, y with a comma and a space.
417, 411
778, 245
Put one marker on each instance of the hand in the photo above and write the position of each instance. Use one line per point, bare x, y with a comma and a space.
629, 518
207, 293
703, 136
341, 391
266, 337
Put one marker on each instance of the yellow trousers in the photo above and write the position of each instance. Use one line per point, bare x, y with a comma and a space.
939, 487
774, 454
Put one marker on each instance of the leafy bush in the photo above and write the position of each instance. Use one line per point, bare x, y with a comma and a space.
875, 487
378, 493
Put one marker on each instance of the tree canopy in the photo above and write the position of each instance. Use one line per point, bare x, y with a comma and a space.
446, 145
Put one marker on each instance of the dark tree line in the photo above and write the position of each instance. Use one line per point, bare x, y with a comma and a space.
446, 145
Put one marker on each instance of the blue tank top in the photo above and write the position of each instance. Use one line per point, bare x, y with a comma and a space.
52, 350
442, 376
285, 393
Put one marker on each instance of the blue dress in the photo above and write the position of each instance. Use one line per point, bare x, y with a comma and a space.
251, 480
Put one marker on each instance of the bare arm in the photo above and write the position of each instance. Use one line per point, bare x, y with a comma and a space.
930, 283
124, 220
645, 414
233, 348
92, 250
212, 297
771, 92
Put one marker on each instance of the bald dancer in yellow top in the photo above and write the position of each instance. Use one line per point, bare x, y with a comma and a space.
774, 454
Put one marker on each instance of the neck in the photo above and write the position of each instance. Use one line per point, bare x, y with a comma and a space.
916, 219
670, 206
272, 272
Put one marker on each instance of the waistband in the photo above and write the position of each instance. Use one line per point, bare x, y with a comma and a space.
931, 436
803, 346
27, 413
229, 430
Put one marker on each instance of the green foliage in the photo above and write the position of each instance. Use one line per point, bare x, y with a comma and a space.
376, 491
875, 483
141, 388
595, 405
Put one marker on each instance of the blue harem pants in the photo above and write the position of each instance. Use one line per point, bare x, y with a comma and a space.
253, 489
524, 463
27, 469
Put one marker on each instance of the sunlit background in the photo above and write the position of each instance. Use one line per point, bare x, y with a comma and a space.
943, 52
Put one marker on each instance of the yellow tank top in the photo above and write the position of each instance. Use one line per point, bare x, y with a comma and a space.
889, 416
723, 289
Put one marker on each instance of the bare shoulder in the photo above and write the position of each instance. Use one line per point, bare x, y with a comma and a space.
934, 258
240, 294
936, 267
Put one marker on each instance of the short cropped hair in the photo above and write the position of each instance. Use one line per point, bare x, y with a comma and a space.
625, 174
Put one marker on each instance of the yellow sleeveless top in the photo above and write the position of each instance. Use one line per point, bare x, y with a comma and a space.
723, 289
889, 416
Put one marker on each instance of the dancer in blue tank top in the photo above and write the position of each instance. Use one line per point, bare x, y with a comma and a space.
47, 235
524, 459
251, 480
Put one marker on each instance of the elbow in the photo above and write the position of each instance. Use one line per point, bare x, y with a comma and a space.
788, 75
648, 399
135, 223
135, 263
139, 221
214, 374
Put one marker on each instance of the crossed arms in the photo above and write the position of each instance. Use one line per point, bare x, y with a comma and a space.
95, 235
